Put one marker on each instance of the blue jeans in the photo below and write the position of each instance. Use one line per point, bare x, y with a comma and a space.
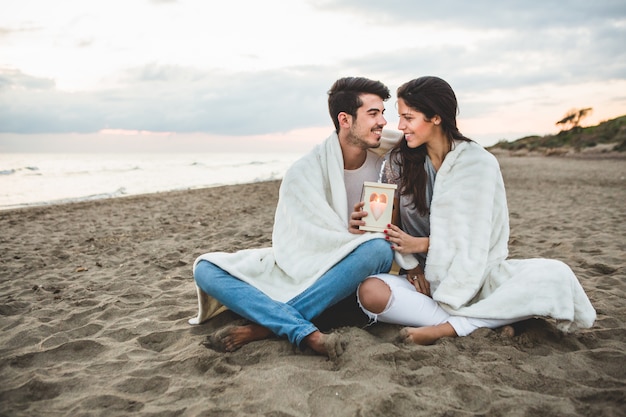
293, 318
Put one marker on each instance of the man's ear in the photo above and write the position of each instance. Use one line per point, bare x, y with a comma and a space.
345, 120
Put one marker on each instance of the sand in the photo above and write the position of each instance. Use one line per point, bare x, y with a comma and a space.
96, 297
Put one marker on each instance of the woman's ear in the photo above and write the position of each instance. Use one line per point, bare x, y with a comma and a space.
437, 120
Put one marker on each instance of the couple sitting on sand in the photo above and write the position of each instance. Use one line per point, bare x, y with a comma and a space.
449, 235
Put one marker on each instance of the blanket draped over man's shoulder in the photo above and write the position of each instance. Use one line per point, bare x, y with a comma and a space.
310, 233
467, 262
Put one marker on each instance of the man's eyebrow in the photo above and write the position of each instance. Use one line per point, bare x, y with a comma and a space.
375, 109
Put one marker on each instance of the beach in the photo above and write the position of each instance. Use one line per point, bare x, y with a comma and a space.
96, 296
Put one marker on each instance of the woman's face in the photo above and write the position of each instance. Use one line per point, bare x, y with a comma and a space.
417, 129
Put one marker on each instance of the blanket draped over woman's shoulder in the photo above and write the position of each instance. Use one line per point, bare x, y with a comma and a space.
310, 233
467, 263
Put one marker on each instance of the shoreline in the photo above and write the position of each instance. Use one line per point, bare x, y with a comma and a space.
105, 197
96, 297
499, 153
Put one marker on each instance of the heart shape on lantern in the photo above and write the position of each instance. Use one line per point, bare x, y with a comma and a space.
378, 204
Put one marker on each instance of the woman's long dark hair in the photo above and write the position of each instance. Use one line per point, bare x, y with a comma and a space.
430, 96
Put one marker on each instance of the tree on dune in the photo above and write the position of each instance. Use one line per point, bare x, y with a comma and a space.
573, 118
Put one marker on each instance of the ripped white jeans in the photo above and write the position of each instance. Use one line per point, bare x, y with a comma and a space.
408, 307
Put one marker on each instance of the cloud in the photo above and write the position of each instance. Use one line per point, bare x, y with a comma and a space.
169, 98
481, 14
499, 45
495, 56
159, 97
17, 80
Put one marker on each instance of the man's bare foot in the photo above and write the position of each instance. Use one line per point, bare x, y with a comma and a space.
231, 338
427, 335
329, 345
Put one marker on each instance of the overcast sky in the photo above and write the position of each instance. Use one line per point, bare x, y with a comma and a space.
177, 73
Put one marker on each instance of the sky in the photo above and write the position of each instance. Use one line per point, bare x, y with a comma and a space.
202, 75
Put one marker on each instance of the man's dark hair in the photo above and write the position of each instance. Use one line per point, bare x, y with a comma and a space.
344, 95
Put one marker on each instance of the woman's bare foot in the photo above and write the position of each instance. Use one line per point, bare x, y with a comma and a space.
507, 331
330, 345
427, 335
231, 338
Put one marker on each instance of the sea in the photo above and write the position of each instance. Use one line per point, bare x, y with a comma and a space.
33, 179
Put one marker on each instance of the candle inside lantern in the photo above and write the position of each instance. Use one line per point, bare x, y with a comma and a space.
378, 204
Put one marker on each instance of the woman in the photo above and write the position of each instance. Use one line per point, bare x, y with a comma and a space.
451, 212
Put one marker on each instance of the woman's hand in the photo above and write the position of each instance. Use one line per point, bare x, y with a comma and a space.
404, 242
418, 279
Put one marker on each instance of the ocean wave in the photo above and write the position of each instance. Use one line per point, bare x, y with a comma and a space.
228, 164
101, 196
43, 179
117, 193
15, 170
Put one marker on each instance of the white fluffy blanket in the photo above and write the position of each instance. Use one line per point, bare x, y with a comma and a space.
310, 232
467, 262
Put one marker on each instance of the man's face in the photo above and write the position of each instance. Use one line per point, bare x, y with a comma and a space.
366, 129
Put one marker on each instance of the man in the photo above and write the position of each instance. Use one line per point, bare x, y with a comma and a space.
315, 260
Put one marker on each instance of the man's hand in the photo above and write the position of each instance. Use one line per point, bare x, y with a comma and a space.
356, 219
